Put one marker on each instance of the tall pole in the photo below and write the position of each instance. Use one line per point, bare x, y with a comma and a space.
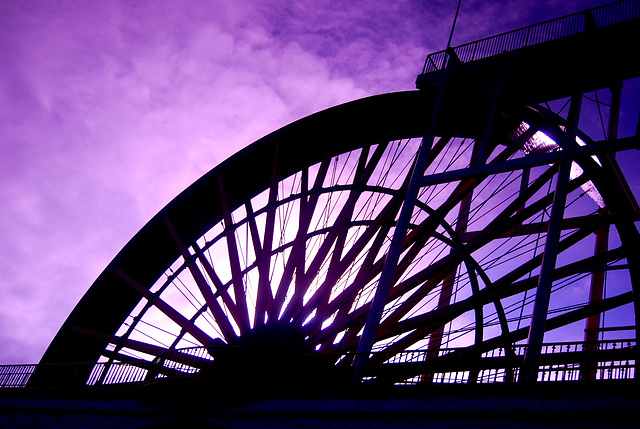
453, 26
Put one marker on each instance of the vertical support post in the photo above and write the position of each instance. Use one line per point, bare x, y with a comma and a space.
633, 257
402, 225
592, 327
481, 156
630, 232
391, 262
524, 183
529, 371
614, 112
597, 285
592, 324
478, 157
446, 291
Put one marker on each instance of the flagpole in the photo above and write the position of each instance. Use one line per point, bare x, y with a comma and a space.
454, 25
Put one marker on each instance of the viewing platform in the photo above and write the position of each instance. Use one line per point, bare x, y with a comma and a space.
542, 62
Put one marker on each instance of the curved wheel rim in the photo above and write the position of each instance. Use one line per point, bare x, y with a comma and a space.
304, 246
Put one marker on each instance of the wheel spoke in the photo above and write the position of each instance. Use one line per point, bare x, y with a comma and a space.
264, 300
167, 309
234, 261
296, 257
204, 288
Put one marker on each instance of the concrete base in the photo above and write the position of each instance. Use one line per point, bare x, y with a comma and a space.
500, 406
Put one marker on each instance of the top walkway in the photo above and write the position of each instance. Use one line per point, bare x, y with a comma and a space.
550, 54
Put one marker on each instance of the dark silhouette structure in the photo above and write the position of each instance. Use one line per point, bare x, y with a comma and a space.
460, 239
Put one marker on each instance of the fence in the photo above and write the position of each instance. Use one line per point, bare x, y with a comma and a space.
572, 361
15, 375
606, 360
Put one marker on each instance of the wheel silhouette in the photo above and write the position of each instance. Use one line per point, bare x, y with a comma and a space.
279, 249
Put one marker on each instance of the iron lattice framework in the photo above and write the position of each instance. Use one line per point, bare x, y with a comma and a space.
397, 238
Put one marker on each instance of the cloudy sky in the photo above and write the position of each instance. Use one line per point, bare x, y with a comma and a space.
108, 109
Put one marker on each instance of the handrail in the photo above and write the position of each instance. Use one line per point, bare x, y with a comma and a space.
535, 34
599, 356
567, 361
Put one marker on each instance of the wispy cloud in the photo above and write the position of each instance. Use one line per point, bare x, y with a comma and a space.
109, 109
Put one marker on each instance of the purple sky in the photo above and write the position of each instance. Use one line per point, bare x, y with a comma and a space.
109, 109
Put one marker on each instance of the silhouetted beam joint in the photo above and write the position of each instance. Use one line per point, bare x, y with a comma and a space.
531, 161
535, 228
165, 308
143, 347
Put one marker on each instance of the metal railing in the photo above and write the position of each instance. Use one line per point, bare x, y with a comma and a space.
104, 373
571, 361
180, 362
18, 376
173, 363
554, 29
15, 375
604, 360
